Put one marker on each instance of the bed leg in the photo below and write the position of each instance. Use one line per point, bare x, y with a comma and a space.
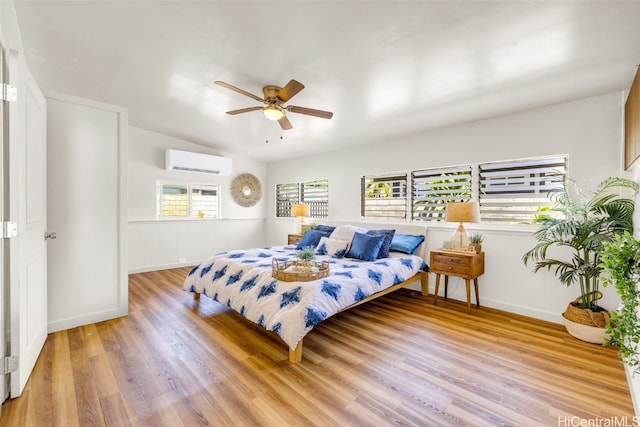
196, 296
424, 284
295, 354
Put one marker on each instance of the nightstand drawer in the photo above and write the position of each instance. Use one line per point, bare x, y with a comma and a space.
450, 262
457, 264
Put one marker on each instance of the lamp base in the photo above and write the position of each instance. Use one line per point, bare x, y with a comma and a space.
460, 239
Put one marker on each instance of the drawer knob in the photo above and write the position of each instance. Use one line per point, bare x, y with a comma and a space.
450, 268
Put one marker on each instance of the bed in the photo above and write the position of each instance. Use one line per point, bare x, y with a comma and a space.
242, 280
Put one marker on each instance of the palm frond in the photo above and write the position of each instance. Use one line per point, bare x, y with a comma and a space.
589, 223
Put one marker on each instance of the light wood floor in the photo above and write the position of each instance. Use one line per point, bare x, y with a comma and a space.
398, 360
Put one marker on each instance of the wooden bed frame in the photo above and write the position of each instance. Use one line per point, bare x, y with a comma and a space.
295, 354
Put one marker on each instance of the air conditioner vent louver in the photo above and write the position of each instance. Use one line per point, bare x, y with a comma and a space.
196, 162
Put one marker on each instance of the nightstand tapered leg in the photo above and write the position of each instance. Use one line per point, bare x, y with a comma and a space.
435, 295
468, 283
475, 285
446, 286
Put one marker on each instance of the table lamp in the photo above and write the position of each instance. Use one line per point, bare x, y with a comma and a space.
300, 210
462, 212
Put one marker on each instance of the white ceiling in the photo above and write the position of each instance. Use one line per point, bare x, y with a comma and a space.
385, 68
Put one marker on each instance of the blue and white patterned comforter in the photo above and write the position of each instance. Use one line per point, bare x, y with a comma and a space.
242, 280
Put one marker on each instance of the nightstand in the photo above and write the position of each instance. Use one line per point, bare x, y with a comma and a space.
467, 265
294, 239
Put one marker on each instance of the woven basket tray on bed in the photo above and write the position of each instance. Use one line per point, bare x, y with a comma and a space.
290, 271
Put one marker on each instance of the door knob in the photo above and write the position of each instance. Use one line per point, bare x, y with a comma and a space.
48, 235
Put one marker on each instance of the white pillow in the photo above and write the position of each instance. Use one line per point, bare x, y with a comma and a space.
346, 232
333, 248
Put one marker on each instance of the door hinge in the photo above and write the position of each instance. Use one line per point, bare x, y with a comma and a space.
9, 229
10, 365
9, 93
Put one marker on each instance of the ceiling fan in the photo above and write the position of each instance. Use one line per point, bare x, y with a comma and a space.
275, 97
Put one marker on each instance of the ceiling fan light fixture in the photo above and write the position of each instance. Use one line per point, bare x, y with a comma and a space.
273, 112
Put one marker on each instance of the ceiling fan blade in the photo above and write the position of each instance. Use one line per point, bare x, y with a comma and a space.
243, 110
290, 90
310, 111
284, 123
237, 89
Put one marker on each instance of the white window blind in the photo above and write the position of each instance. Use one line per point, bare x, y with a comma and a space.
432, 189
516, 191
286, 196
384, 196
316, 195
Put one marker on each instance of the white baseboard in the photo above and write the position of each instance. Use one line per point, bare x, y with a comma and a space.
499, 305
64, 324
149, 268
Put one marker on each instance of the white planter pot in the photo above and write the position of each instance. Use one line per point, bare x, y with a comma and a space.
586, 333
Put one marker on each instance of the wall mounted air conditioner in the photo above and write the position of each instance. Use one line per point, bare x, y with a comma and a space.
196, 162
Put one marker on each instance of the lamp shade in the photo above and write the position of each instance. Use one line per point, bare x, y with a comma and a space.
300, 209
463, 212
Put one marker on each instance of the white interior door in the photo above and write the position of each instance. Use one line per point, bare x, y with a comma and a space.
27, 207
87, 210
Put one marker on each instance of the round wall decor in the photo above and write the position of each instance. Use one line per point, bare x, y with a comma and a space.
246, 190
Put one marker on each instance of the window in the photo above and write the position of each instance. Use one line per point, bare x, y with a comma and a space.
286, 196
188, 200
516, 191
313, 193
316, 195
384, 196
432, 189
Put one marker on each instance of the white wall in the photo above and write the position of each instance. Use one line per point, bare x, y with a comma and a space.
166, 243
146, 167
588, 130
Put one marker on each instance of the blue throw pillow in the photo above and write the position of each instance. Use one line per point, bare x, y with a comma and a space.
322, 227
365, 247
311, 238
386, 243
407, 243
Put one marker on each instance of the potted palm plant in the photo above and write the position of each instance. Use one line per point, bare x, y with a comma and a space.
584, 225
